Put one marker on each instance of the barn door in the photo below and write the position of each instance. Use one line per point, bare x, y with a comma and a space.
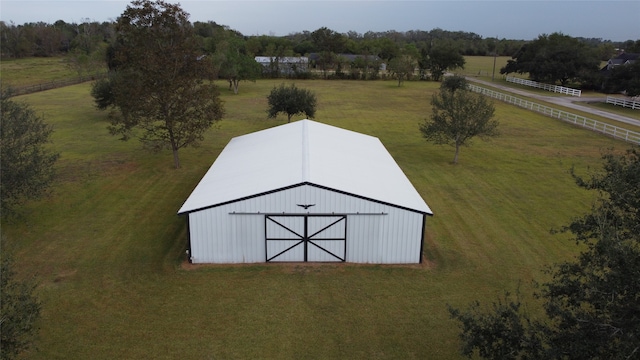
317, 238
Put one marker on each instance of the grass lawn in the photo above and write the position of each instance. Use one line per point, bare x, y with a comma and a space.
632, 113
108, 248
482, 67
33, 71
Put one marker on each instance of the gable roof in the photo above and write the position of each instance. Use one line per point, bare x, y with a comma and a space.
304, 152
628, 57
624, 58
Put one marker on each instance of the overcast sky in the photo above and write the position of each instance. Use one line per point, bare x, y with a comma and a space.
513, 19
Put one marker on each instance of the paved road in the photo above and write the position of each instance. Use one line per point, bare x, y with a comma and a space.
566, 101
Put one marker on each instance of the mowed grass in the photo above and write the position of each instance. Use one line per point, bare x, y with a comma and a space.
483, 67
33, 71
108, 248
625, 111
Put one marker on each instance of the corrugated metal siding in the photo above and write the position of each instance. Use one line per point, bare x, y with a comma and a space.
218, 236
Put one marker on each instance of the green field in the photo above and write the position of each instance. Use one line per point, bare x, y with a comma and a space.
482, 67
108, 248
34, 71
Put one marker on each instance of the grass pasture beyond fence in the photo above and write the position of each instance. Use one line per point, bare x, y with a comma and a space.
108, 249
34, 71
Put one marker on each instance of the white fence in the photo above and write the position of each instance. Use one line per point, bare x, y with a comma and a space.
554, 88
622, 102
598, 126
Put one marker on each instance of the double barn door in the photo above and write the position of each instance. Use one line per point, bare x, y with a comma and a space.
302, 238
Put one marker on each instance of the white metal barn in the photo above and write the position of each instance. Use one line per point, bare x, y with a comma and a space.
305, 191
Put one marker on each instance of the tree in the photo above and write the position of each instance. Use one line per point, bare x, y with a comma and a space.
245, 69
440, 58
367, 65
454, 83
291, 101
501, 334
15, 40
458, 116
236, 66
624, 78
631, 46
20, 310
402, 67
552, 58
329, 43
158, 85
592, 302
86, 64
387, 49
102, 92
25, 160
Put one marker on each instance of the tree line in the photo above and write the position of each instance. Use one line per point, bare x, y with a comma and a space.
45, 39
42, 39
554, 58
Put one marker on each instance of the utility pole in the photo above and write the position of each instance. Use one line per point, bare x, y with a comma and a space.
495, 52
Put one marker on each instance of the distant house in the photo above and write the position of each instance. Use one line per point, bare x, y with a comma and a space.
622, 59
288, 65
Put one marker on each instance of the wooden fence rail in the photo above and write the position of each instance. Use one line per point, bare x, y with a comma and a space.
622, 102
548, 87
595, 125
23, 90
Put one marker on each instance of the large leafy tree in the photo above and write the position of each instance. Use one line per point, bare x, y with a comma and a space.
160, 86
329, 43
86, 64
237, 67
19, 312
234, 63
458, 115
291, 100
631, 46
592, 303
16, 41
25, 161
403, 67
553, 58
624, 78
440, 58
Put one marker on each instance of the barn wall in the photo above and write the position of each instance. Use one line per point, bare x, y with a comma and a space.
220, 237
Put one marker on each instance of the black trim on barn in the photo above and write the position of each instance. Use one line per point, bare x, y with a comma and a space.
305, 239
424, 225
189, 240
303, 184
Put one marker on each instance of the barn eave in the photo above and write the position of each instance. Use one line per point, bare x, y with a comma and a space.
428, 213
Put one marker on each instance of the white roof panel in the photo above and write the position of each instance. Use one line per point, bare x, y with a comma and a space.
304, 152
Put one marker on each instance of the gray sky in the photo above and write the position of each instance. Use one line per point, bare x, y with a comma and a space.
514, 19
